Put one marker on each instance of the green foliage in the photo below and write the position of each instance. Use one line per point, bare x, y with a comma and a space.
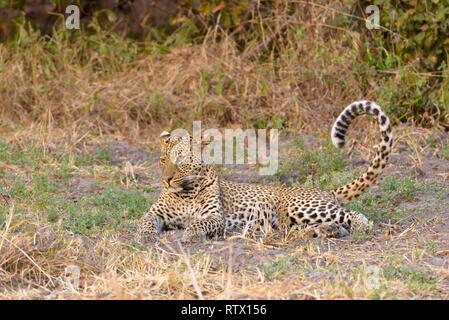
185, 34
228, 13
411, 49
411, 30
104, 156
276, 122
14, 4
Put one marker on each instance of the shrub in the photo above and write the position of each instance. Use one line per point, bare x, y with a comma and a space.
411, 51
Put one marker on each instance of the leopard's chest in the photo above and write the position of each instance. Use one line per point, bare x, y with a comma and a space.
181, 212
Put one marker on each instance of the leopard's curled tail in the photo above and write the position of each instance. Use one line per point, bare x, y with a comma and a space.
355, 188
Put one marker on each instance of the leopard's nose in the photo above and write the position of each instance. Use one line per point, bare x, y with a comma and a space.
168, 174
168, 180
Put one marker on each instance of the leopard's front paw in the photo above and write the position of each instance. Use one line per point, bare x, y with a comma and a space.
193, 235
328, 230
146, 238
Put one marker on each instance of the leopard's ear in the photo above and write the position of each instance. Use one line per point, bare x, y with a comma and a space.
164, 138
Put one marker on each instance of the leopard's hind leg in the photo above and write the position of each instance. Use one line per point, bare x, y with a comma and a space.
327, 220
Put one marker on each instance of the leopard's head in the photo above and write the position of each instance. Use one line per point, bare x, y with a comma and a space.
182, 167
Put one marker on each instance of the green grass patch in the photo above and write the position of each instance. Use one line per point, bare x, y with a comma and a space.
67, 164
3, 215
10, 154
279, 267
438, 191
445, 151
384, 206
104, 156
42, 189
276, 268
110, 210
375, 208
403, 189
414, 279
18, 187
324, 164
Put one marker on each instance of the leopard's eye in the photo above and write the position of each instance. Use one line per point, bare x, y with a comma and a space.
162, 160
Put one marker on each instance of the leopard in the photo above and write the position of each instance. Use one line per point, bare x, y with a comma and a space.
196, 198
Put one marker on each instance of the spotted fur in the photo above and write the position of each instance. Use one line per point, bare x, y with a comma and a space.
194, 197
369, 177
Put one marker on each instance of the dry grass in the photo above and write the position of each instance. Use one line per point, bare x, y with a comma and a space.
115, 270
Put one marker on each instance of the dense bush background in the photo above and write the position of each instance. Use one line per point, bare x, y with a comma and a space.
258, 63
